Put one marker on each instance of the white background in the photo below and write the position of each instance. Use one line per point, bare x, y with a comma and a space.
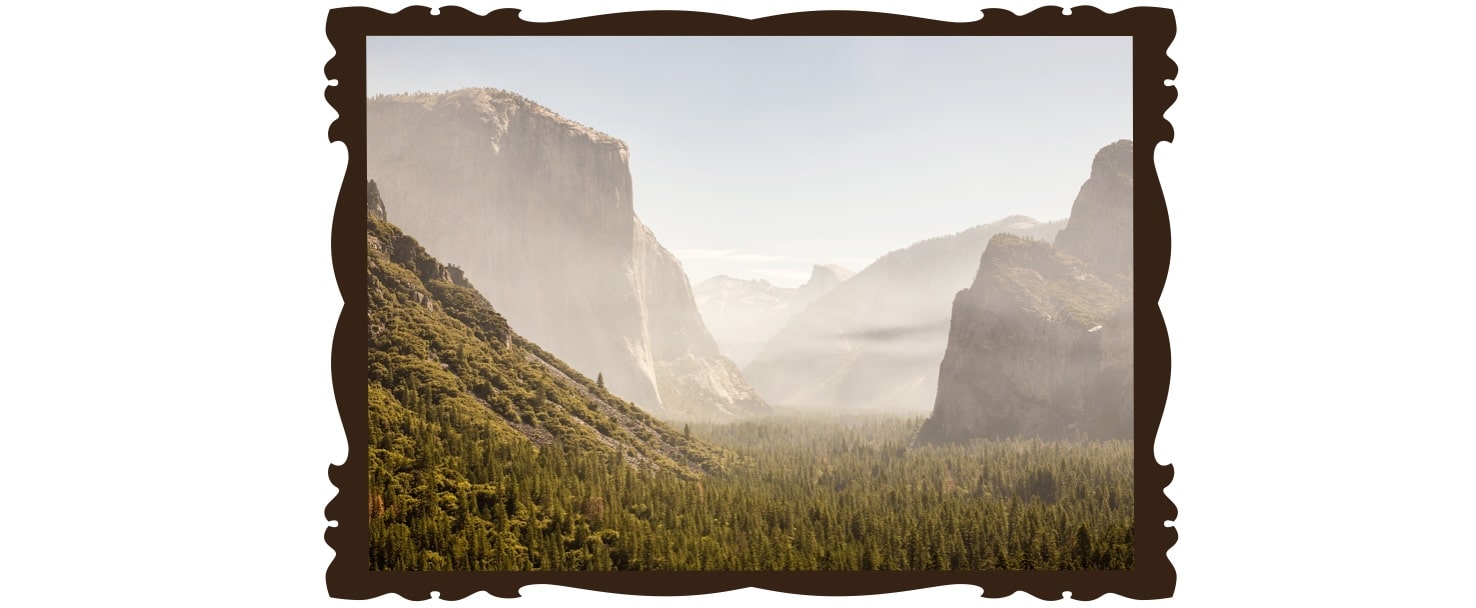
169, 303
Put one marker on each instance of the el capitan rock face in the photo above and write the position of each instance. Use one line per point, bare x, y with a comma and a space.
875, 340
537, 210
1041, 344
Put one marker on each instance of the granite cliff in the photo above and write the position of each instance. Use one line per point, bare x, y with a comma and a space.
1041, 343
538, 212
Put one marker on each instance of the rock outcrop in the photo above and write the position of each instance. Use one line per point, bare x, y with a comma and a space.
538, 212
376, 203
875, 341
1101, 226
1041, 344
744, 314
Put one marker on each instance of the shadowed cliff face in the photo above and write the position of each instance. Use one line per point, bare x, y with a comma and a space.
1041, 344
537, 210
876, 339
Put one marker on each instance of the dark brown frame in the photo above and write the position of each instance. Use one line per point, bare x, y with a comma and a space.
1152, 29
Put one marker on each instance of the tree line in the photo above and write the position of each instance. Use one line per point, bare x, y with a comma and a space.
802, 496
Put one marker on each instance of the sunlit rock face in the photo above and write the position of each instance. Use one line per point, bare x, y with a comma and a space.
537, 210
874, 341
1041, 343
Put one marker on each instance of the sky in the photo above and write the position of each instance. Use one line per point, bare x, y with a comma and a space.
761, 157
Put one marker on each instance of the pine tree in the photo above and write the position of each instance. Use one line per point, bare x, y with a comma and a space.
1083, 547
599, 379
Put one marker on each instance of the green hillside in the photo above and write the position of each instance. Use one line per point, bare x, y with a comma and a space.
473, 430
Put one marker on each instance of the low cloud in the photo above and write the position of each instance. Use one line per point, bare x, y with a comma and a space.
902, 332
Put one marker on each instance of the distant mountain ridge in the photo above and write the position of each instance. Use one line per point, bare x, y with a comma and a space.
538, 211
875, 341
743, 314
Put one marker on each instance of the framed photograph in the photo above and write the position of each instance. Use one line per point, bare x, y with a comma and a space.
829, 303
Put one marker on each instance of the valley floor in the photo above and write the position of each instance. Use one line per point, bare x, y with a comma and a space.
799, 493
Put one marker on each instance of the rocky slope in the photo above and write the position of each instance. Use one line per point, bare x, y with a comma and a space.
743, 314
1041, 344
875, 341
442, 359
538, 211
473, 431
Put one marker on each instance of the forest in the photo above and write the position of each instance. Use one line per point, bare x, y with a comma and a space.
802, 494
487, 453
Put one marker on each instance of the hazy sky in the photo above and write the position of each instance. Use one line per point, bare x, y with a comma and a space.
758, 157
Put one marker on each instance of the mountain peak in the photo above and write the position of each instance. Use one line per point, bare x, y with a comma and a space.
1016, 221
1100, 230
829, 273
1114, 160
824, 278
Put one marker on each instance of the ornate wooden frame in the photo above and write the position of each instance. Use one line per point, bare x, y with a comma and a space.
1152, 29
